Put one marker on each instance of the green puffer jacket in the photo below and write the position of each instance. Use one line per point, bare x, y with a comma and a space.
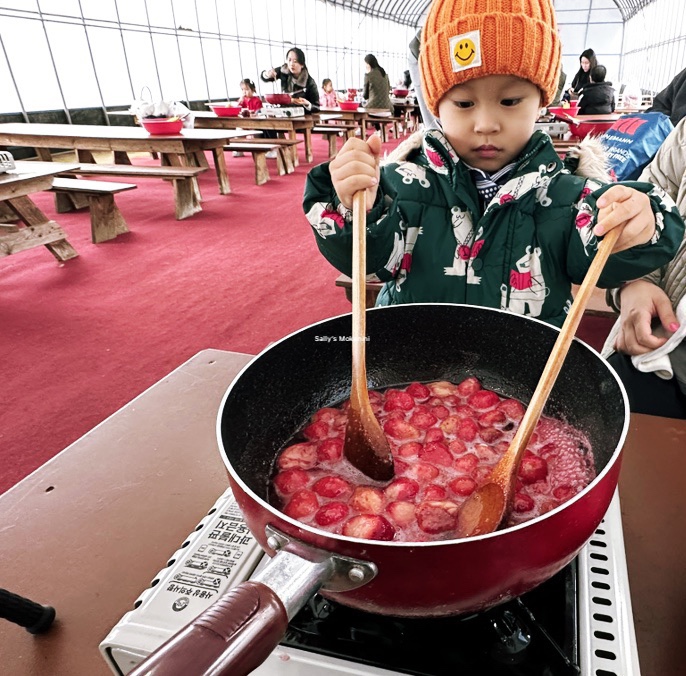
430, 240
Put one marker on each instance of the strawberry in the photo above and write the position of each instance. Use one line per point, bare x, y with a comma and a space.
483, 399
532, 468
409, 450
564, 493
302, 505
440, 411
425, 472
330, 450
467, 430
301, 456
375, 397
368, 527
367, 500
451, 401
316, 430
450, 425
490, 434
522, 503
397, 400
457, 447
442, 388
466, 463
332, 486
327, 415
401, 489
493, 417
486, 453
423, 420
331, 513
437, 453
463, 485
433, 435
549, 450
512, 408
437, 516
418, 391
400, 467
291, 480
468, 387
434, 492
400, 429
401, 512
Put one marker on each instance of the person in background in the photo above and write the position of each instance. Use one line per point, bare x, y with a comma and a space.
598, 96
407, 80
327, 96
659, 299
249, 100
672, 99
295, 79
427, 119
377, 86
587, 60
483, 211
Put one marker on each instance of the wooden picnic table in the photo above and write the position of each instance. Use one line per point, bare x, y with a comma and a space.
290, 126
16, 186
185, 148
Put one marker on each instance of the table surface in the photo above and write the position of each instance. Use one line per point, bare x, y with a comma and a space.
87, 532
103, 131
26, 171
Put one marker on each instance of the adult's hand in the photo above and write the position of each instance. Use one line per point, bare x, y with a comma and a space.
630, 209
356, 167
641, 301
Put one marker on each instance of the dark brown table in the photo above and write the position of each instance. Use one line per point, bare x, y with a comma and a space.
87, 531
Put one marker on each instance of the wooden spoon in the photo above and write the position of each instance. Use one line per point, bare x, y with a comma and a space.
365, 446
486, 508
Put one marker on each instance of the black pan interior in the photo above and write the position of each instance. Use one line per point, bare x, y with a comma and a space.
274, 397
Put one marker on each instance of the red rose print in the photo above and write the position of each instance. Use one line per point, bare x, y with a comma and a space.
582, 220
507, 197
463, 252
477, 247
434, 157
335, 217
585, 193
407, 262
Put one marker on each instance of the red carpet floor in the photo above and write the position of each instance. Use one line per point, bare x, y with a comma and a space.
81, 339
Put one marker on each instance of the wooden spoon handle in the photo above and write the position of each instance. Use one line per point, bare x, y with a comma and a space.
359, 326
557, 355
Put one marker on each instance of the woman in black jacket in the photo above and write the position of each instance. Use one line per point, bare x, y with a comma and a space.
587, 60
295, 78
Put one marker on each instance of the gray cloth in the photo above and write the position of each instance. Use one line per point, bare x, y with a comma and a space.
430, 122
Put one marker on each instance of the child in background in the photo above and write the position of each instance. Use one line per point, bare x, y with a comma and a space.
483, 211
249, 99
598, 96
327, 96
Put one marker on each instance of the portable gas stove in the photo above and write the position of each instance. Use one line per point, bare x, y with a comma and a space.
283, 111
578, 622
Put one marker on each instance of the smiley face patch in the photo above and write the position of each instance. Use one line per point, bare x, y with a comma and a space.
465, 51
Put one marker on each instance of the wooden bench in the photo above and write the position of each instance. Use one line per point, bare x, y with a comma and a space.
286, 152
382, 121
186, 192
106, 220
259, 155
373, 289
331, 131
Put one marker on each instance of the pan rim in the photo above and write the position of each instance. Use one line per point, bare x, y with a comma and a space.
319, 533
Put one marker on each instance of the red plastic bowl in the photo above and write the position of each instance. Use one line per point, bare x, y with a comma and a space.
226, 110
278, 99
348, 105
401, 92
162, 125
559, 111
590, 127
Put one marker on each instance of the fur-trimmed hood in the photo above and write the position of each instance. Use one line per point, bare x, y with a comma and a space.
588, 159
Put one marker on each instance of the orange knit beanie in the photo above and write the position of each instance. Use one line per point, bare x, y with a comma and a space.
466, 39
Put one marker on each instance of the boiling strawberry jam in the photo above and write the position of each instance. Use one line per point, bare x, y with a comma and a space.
445, 440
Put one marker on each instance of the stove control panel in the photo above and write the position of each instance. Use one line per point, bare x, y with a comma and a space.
220, 553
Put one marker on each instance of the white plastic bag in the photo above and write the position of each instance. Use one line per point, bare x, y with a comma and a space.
145, 107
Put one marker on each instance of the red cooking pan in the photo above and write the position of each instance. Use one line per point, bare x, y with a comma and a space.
281, 388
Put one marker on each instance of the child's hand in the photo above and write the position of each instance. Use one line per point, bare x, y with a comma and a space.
356, 167
642, 301
624, 206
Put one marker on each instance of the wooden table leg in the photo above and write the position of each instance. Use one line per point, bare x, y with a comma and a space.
121, 157
308, 145
220, 168
39, 230
85, 156
106, 220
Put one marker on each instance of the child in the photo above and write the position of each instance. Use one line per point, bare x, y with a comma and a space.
249, 100
327, 96
483, 211
597, 97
